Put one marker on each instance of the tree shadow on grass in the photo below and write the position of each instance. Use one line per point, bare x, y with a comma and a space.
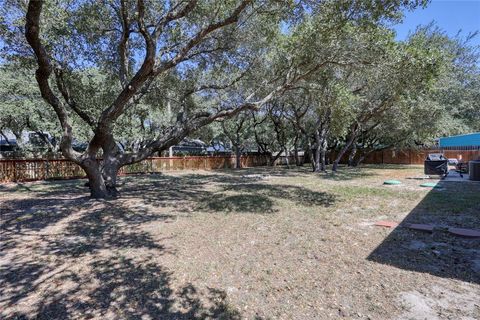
17, 279
106, 229
80, 259
275, 171
23, 217
439, 253
348, 173
264, 194
213, 192
166, 190
238, 203
118, 287
68, 258
50, 188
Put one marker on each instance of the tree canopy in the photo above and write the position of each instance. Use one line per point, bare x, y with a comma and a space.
132, 78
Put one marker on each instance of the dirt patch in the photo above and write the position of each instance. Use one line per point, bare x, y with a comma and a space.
437, 302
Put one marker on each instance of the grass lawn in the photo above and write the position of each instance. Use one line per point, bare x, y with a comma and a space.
262, 243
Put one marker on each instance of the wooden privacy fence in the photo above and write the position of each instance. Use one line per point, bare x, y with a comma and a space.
44, 169
415, 156
159, 164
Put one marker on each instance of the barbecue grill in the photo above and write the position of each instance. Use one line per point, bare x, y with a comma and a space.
436, 163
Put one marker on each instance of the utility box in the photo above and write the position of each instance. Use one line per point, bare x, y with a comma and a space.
474, 170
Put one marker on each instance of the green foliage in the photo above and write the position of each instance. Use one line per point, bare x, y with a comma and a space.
337, 62
21, 107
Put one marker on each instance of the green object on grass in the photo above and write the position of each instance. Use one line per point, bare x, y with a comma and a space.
430, 185
392, 182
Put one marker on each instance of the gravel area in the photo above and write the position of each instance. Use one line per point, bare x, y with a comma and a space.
260, 243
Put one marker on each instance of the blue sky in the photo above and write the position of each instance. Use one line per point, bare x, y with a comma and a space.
449, 15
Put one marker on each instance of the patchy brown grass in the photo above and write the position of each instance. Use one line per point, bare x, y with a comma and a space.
263, 243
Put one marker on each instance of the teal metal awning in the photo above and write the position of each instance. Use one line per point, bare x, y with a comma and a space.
464, 140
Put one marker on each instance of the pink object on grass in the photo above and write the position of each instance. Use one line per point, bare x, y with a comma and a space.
388, 224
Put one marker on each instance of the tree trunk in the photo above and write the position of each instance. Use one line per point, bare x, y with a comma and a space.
274, 158
287, 154
311, 157
45, 139
351, 156
317, 167
109, 173
268, 156
102, 178
96, 182
19, 139
343, 150
238, 157
323, 148
298, 163
360, 159
323, 153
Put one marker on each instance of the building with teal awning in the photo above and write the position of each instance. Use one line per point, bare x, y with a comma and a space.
463, 140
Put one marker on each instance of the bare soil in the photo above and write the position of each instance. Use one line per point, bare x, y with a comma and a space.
262, 243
